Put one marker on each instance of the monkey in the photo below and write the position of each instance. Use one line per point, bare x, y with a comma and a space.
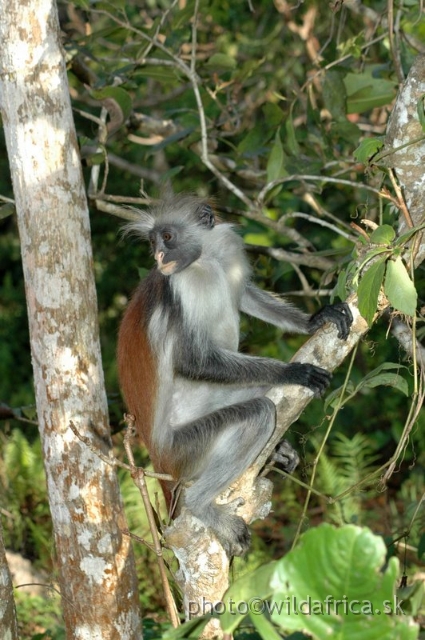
200, 404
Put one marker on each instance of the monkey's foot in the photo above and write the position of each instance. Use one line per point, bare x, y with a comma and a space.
285, 456
234, 536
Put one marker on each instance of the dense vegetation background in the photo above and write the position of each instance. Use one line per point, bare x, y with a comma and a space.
267, 92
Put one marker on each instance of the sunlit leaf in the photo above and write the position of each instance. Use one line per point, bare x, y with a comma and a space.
367, 148
384, 234
331, 566
399, 288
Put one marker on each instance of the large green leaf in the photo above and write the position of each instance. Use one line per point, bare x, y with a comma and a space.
382, 375
399, 288
334, 585
369, 288
364, 92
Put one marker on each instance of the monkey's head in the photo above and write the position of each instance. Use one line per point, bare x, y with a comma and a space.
176, 230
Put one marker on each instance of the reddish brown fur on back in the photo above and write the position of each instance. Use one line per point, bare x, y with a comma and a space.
137, 367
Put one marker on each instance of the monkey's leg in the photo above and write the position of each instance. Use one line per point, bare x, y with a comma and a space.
231, 439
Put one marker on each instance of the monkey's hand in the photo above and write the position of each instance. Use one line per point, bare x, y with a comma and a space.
308, 375
340, 314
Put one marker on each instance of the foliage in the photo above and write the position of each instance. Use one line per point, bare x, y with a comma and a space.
338, 575
23, 497
39, 618
345, 463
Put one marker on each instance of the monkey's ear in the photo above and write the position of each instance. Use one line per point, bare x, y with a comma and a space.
206, 215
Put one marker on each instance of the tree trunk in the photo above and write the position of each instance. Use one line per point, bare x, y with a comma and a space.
96, 566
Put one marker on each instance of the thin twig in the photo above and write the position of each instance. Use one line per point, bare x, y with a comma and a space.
111, 459
138, 476
319, 221
338, 406
400, 199
300, 177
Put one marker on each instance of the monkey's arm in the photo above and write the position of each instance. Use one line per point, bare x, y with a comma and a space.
207, 362
283, 314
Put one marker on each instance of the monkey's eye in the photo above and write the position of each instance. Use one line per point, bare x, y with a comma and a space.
166, 236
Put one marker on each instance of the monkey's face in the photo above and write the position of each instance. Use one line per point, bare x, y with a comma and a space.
174, 248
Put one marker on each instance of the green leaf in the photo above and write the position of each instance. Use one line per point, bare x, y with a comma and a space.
368, 256
386, 380
221, 62
334, 93
246, 70
275, 164
421, 111
336, 584
406, 236
253, 143
384, 234
352, 46
118, 95
273, 114
264, 627
341, 285
291, 139
380, 376
412, 597
364, 92
368, 290
194, 626
7, 210
248, 590
368, 148
399, 288
95, 159
174, 137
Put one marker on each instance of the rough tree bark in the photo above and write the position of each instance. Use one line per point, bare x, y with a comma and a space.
408, 161
203, 573
96, 567
8, 623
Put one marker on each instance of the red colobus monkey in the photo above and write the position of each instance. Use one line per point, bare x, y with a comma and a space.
199, 404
